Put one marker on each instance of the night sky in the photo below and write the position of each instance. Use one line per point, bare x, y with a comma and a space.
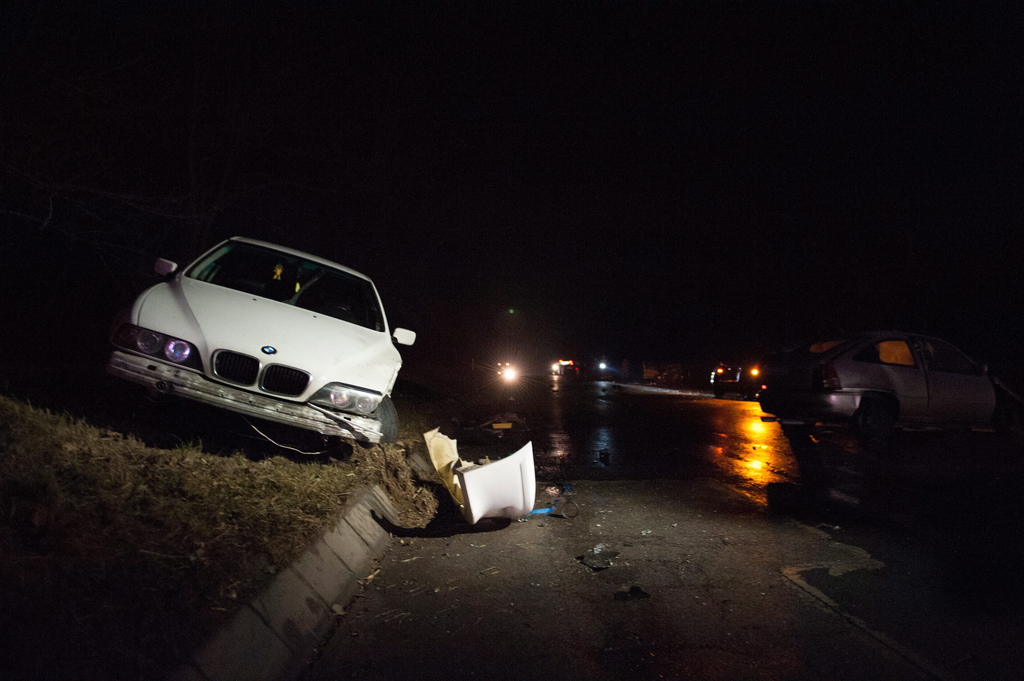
644, 180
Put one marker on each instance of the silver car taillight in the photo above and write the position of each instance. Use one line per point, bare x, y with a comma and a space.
829, 378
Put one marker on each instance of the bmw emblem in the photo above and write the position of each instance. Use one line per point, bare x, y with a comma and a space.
268, 350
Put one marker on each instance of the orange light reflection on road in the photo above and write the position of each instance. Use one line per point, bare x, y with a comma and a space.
754, 428
757, 454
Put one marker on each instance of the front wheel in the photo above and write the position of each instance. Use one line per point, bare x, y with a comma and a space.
388, 417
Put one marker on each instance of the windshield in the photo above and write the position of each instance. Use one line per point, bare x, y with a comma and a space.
291, 280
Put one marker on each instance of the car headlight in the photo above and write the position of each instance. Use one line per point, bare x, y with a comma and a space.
155, 344
177, 351
347, 398
148, 341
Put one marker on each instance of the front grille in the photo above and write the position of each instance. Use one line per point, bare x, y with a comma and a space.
284, 380
235, 367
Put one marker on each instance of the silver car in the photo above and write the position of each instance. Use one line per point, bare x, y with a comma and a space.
877, 381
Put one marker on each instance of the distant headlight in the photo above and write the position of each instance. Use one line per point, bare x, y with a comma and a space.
347, 398
148, 342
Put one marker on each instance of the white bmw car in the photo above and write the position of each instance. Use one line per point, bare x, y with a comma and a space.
268, 332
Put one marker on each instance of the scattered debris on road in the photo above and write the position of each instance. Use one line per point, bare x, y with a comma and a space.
598, 558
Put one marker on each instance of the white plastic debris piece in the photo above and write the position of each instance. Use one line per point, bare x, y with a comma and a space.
445, 457
505, 488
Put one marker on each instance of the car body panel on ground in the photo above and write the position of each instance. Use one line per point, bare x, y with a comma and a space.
268, 332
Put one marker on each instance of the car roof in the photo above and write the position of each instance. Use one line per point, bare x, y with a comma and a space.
300, 254
847, 340
843, 340
889, 333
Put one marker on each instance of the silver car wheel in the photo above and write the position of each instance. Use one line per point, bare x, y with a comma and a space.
874, 421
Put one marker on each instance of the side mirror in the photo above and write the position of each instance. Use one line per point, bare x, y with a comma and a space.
165, 267
403, 336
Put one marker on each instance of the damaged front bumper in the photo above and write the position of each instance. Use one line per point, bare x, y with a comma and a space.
174, 380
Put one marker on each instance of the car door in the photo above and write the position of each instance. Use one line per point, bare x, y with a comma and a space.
889, 365
959, 391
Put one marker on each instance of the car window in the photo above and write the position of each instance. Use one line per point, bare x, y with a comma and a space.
292, 280
887, 352
238, 267
942, 356
342, 297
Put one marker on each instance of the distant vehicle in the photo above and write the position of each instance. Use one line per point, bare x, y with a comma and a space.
880, 380
267, 332
508, 372
732, 377
565, 367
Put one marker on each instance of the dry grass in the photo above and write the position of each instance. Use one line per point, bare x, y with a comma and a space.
116, 558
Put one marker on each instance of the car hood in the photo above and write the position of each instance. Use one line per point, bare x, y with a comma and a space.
216, 318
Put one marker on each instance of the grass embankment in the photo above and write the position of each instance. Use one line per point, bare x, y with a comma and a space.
117, 558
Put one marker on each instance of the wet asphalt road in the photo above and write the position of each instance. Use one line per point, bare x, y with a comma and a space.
609, 431
895, 565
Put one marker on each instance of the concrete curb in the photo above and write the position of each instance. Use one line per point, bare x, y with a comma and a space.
273, 637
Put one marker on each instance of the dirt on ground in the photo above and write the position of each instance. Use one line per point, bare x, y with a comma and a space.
389, 466
169, 541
